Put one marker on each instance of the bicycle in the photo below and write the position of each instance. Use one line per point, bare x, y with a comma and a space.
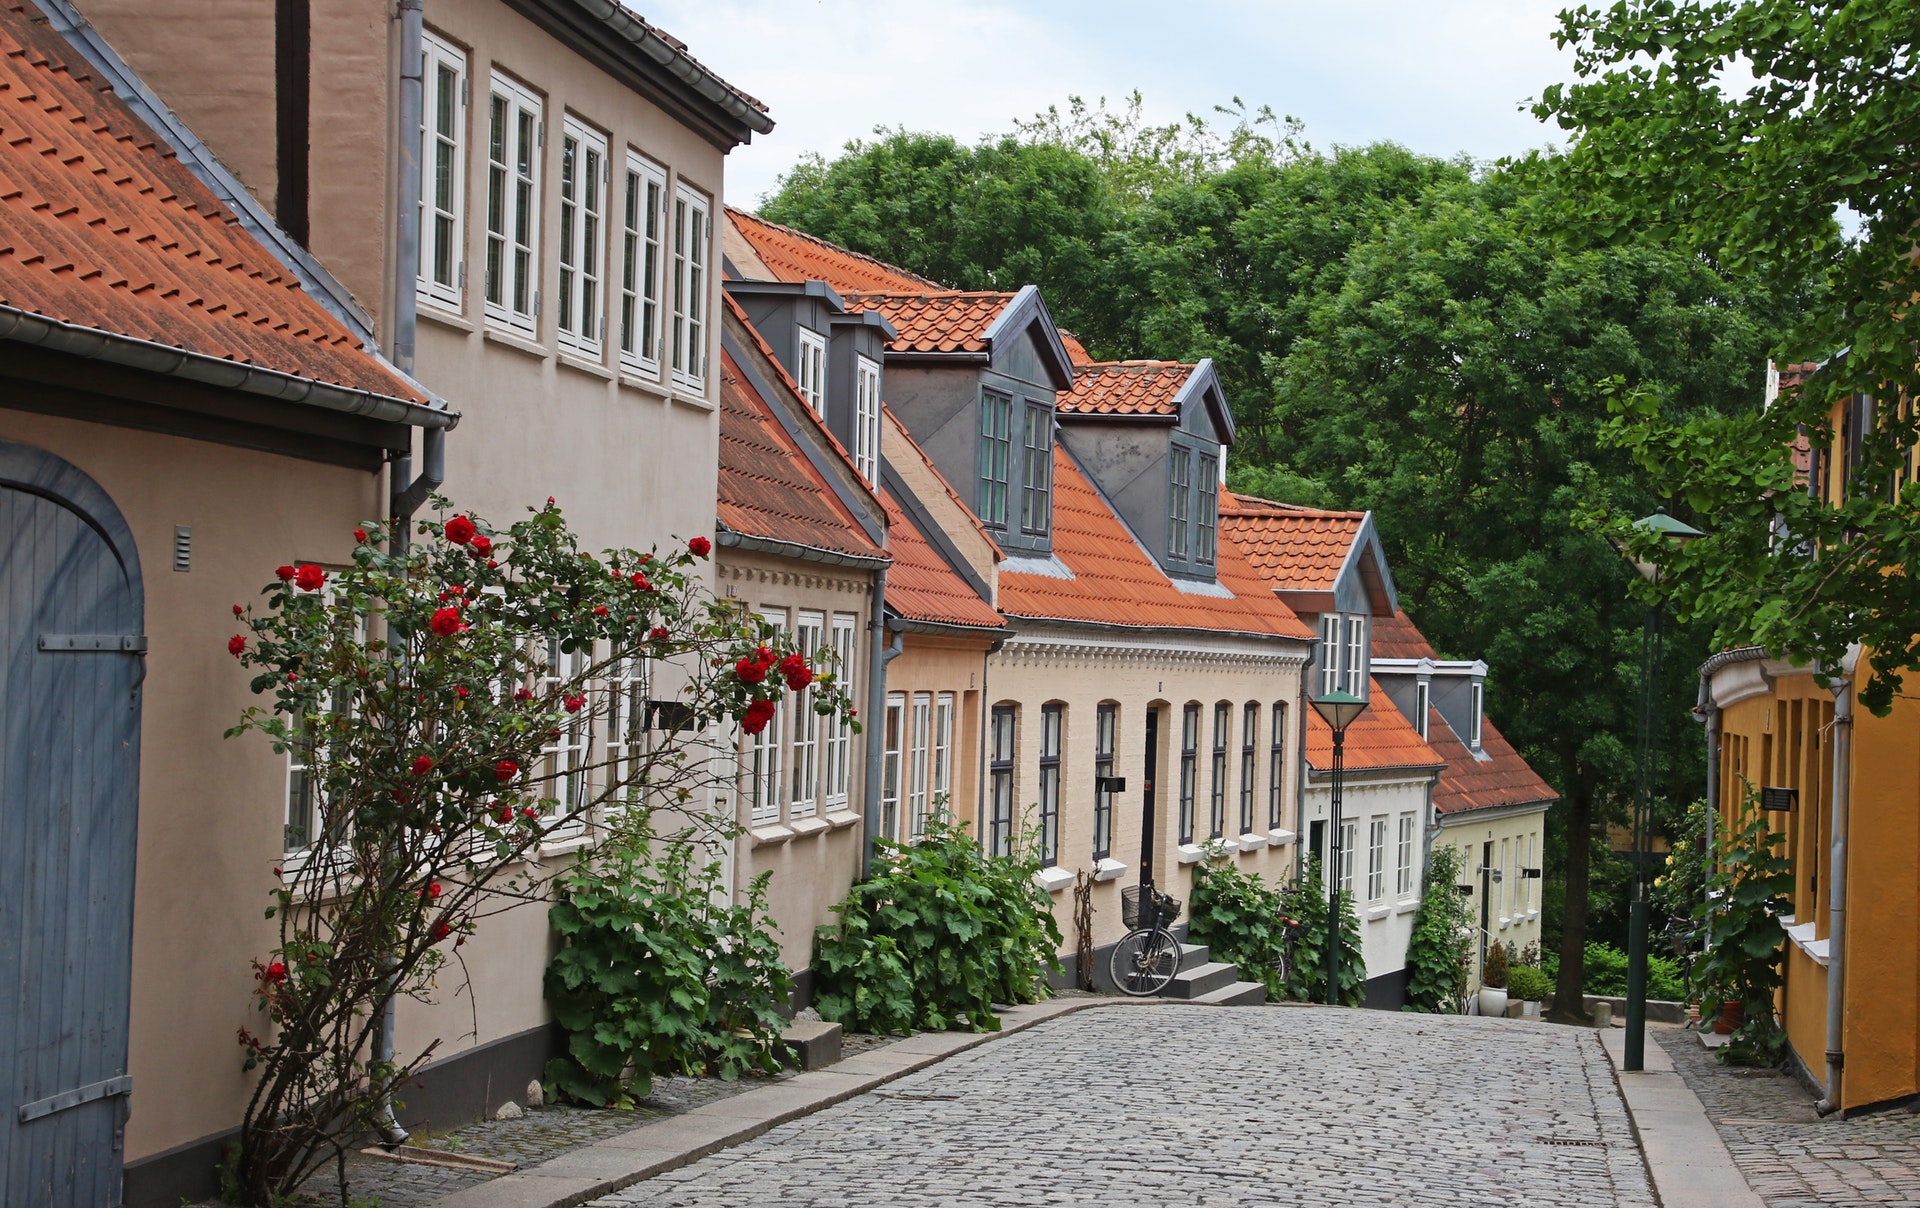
1145, 960
1290, 929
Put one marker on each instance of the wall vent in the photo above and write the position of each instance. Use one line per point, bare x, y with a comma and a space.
182, 547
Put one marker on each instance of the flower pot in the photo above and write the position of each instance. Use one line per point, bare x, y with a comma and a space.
1493, 1002
1732, 1015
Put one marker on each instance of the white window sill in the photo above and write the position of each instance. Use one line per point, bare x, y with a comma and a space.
692, 396
1376, 913
1054, 879
1802, 937
438, 312
838, 818
1190, 853
770, 835
1108, 869
1504, 920
636, 379
1407, 907
1226, 845
569, 837
1280, 838
804, 827
1252, 842
579, 363
1532, 915
516, 341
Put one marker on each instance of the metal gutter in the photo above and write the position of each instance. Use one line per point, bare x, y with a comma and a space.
793, 549
900, 624
627, 25
1726, 658
881, 653
1837, 896
91, 343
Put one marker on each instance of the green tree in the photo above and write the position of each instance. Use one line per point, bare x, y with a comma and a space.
1673, 141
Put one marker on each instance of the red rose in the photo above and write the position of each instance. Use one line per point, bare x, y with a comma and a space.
798, 674
237, 610
460, 692
523, 693
422, 764
506, 814
700, 547
286, 573
759, 713
658, 633
750, 671
640, 581
459, 530
491, 564
549, 501
482, 547
360, 535
645, 558
447, 622
237, 645
433, 890
442, 929
573, 703
277, 972
309, 578
506, 769
293, 677
599, 610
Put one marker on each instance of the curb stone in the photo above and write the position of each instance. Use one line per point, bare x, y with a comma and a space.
1687, 1161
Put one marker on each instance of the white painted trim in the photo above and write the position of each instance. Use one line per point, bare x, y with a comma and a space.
1054, 879
1108, 869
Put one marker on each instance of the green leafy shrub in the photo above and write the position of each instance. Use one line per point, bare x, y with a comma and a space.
1528, 984
938, 935
1237, 916
1305, 899
1742, 961
1439, 948
1606, 970
656, 974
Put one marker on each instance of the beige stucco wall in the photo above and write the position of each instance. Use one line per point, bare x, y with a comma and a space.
1048, 663
1513, 905
211, 809
1386, 921
935, 664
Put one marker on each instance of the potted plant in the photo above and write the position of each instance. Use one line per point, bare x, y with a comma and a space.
1493, 982
1528, 985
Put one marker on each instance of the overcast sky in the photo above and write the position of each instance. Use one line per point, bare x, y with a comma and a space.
1439, 76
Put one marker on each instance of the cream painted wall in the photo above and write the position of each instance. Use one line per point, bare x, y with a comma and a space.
935, 664
1513, 912
211, 809
1386, 921
1083, 667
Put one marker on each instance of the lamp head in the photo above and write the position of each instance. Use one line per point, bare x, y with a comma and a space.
1674, 532
1339, 708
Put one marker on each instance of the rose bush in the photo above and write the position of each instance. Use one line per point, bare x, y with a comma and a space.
424, 691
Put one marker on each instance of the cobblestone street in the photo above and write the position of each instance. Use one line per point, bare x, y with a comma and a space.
1790, 1156
1238, 1105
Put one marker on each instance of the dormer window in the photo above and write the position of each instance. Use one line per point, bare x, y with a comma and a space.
1343, 653
1473, 722
1422, 697
1329, 652
812, 371
1180, 482
1036, 508
1208, 513
866, 418
1356, 656
996, 453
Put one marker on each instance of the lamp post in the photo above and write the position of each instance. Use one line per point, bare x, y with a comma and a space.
1339, 709
1673, 531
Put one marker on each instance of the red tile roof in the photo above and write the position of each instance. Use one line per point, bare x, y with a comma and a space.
942, 321
921, 586
768, 487
1295, 548
1379, 739
1395, 637
102, 227
1125, 388
1502, 778
797, 256
1115, 582
1076, 351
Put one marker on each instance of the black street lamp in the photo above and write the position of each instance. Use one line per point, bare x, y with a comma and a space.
1339, 709
1647, 757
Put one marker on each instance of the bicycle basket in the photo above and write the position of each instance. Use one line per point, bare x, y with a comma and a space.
1166, 909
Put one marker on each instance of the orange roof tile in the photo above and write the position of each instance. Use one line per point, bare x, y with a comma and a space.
943, 321
101, 226
1115, 582
1076, 351
1125, 388
768, 487
1296, 548
921, 586
797, 256
1395, 637
1378, 739
1502, 778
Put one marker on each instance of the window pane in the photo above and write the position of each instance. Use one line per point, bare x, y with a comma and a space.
1181, 474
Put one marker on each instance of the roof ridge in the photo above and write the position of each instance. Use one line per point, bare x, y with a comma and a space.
827, 243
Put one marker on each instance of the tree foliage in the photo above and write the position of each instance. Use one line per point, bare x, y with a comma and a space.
1739, 130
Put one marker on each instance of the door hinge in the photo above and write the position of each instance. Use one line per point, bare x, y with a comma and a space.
83, 643
104, 1089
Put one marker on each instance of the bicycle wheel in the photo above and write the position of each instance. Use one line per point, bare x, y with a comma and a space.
1144, 962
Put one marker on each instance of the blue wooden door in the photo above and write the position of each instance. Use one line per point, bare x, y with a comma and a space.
70, 670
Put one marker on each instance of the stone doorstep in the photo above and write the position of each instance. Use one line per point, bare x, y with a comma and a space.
816, 1044
1686, 1159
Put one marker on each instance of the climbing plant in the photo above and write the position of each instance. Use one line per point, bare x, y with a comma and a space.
1748, 895
1439, 952
1305, 900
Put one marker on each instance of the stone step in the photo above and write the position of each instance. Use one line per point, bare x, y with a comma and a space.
1202, 979
1192, 956
1237, 994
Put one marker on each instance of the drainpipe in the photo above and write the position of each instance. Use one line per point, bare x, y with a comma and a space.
1708, 714
1837, 896
433, 442
881, 652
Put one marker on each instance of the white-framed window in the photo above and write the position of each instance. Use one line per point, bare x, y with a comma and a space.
643, 209
1189, 767
1349, 835
866, 418
1051, 720
303, 793
1422, 696
838, 742
1222, 720
515, 132
805, 801
943, 749
443, 146
1502, 896
919, 767
1357, 655
691, 236
891, 754
1523, 860
1180, 501
564, 759
1329, 652
1277, 766
1036, 472
1473, 718
627, 685
1207, 512
583, 224
765, 780
1403, 858
1376, 859
812, 365
996, 452
1106, 726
